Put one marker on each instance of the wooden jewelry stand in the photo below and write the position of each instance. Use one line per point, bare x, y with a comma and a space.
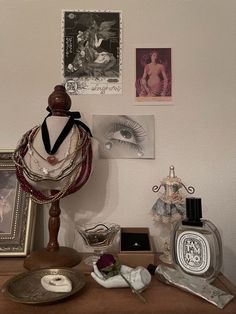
54, 255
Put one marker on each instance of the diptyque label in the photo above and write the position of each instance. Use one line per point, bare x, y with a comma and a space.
193, 252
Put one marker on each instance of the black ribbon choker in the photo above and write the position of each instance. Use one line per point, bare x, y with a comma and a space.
73, 119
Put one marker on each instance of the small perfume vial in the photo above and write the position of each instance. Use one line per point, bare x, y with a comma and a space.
196, 243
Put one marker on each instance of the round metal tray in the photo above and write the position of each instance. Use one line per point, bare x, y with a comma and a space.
26, 287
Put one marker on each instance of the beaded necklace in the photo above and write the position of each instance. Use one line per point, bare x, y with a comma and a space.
75, 174
32, 150
56, 165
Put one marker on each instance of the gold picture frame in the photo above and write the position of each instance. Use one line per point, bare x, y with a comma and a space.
17, 211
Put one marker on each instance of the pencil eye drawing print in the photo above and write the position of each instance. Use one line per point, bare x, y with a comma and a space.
153, 74
7, 198
122, 136
91, 52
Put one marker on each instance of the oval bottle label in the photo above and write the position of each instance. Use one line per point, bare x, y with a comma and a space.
193, 252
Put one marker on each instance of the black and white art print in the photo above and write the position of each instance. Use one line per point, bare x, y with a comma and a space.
125, 136
91, 52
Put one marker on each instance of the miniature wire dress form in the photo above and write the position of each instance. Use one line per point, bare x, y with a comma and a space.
170, 206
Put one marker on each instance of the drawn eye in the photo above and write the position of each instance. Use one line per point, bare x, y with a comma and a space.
125, 134
125, 131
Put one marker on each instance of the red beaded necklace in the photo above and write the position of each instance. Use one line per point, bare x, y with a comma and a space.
81, 176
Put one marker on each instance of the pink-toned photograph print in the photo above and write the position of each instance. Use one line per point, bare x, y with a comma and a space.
153, 74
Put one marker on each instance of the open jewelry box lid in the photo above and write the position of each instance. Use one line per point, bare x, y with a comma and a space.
136, 248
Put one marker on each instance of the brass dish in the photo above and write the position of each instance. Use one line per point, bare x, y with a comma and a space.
26, 287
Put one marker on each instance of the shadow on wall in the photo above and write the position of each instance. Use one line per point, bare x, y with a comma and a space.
40, 228
229, 258
81, 206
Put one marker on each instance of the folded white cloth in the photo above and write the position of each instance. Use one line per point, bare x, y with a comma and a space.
56, 283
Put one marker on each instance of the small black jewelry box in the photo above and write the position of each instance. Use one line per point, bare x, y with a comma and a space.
135, 241
135, 247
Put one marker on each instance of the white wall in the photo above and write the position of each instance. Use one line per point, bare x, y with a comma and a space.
197, 133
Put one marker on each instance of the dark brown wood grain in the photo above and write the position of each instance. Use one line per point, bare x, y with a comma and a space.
59, 101
94, 299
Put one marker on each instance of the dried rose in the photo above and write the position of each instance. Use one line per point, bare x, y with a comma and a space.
108, 265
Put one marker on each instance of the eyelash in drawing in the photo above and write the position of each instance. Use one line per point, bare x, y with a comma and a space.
133, 134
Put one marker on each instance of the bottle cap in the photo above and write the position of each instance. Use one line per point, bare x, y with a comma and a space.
193, 211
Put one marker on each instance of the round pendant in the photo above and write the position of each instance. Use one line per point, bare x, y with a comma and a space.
52, 160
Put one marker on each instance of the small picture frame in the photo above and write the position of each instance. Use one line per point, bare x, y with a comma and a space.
17, 211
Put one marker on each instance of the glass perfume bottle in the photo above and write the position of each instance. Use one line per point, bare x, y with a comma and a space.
196, 243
